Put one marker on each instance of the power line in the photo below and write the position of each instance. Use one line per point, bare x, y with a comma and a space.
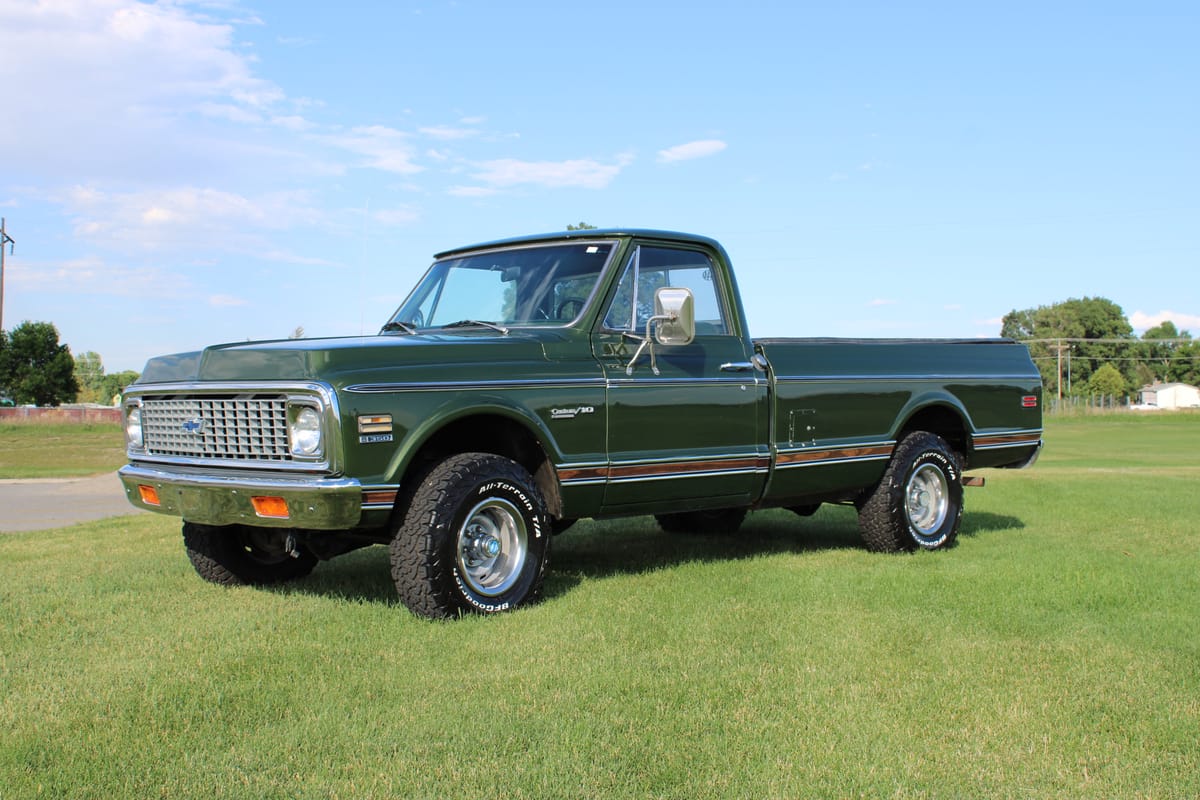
5, 239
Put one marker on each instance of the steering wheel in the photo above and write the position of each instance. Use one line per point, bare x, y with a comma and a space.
566, 303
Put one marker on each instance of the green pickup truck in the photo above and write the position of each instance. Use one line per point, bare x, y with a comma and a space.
528, 383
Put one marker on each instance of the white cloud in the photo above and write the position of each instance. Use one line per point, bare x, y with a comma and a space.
448, 133
396, 216
878, 302
382, 147
584, 173
115, 77
471, 191
201, 219
686, 152
293, 122
90, 276
225, 301
1142, 321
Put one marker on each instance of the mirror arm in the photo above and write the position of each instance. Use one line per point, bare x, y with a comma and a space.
649, 342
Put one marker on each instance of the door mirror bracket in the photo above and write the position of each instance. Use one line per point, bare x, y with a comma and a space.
674, 311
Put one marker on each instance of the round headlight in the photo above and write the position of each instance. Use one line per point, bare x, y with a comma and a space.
133, 427
306, 432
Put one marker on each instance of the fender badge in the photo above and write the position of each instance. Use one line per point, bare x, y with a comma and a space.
571, 413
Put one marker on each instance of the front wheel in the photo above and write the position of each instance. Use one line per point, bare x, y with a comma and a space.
475, 537
237, 555
918, 503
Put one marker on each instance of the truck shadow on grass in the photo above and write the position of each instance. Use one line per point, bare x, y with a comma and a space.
592, 550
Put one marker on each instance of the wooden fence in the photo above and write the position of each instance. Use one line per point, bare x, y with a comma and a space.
65, 414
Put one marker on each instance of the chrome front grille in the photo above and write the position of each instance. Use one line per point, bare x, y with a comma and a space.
239, 427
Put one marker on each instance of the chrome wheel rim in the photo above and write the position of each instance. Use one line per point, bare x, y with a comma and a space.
927, 500
492, 547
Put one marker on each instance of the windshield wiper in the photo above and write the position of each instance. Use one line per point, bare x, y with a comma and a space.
475, 323
397, 325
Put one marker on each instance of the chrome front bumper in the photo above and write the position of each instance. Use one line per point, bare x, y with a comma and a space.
316, 503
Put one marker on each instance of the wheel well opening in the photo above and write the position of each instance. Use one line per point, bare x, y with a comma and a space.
943, 421
491, 433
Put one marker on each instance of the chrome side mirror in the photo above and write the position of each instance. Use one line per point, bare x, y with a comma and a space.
676, 311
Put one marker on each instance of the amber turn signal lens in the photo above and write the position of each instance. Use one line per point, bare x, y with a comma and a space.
270, 507
148, 494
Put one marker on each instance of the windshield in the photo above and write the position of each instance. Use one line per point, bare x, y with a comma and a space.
539, 285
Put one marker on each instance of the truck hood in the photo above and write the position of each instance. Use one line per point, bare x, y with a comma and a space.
345, 358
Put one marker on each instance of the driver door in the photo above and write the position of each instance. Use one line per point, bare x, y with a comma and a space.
693, 431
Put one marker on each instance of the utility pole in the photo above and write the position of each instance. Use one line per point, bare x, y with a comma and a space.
1059, 348
5, 239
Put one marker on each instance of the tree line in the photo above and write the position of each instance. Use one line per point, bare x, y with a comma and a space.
36, 369
1086, 347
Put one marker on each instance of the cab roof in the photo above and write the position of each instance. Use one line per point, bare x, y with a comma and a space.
593, 233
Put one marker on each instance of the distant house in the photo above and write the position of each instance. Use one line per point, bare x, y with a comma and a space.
1169, 395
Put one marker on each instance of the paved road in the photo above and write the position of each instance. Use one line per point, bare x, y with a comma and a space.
31, 505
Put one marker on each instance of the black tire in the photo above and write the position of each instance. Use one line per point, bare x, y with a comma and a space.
238, 555
715, 522
475, 537
918, 503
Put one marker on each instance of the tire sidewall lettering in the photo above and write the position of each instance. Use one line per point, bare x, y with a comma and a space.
529, 509
949, 468
514, 493
947, 465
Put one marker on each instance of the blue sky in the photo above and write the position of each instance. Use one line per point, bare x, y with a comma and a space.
178, 174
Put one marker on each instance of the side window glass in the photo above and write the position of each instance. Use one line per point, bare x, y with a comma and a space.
650, 268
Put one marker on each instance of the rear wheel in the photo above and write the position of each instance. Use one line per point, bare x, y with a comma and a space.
234, 555
918, 503
475, 537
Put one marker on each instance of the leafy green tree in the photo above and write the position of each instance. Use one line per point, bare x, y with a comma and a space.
583, 226
1045, 327
1107, 381
36, 368
116, 383
4, 369
89, 374
1170, 353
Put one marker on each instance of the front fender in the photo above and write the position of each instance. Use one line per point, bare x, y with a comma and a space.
457, 409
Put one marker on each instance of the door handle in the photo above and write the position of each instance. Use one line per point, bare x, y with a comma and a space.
737, 366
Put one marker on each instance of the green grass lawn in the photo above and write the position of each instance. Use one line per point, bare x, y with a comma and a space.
1054, 652
60, 450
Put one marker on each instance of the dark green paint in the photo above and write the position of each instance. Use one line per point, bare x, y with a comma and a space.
818, 393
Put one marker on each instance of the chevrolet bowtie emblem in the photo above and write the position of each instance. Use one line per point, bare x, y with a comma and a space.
193, 426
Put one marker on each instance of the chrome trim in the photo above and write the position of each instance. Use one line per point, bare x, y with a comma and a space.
317, 503
615, 472
904, 378
681, 475
311, 393
848, 453
499, 247
633, 383
831, 461
1027, 441
1028, 462
575, 383
459, 386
